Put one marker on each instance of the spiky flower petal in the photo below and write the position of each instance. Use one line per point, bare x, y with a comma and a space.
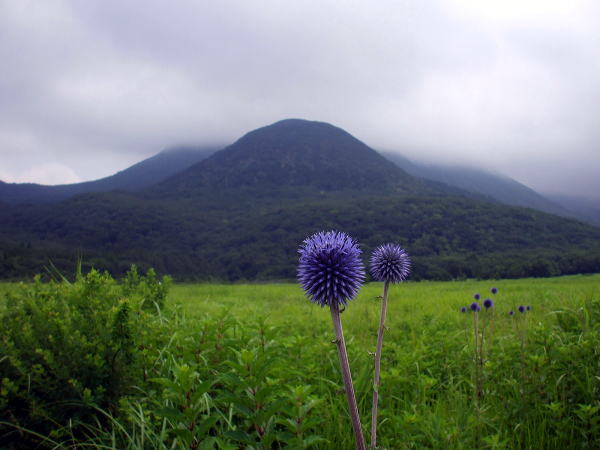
330, 269
390, 262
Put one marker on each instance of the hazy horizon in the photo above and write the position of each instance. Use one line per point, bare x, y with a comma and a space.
91, 88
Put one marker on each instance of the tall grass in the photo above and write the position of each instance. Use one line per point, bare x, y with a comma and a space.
241, 366
427, 383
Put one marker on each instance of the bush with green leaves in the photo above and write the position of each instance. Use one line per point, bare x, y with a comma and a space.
69, 348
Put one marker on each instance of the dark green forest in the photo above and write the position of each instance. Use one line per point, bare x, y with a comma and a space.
241, 214
448, 238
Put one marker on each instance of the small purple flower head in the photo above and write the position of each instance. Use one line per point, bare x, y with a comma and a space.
476, 296
463, 309
494, 290
521, 308
528, 308
390, 262
510, 313
475, 307
488, 303
330, 269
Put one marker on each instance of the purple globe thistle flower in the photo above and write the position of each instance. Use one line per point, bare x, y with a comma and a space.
475, 307
476, 296
390, 262
488, 303
510, 313
521, 308
528, 308
463, 309
494, 290
330, 269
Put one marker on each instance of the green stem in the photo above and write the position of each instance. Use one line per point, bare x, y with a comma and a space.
348, 386
376, 378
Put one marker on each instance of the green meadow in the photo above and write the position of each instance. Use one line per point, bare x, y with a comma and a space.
253, 365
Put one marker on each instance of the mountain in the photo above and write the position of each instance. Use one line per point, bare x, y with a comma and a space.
585, 208
497, 187
135, 178
292, 156
241, 213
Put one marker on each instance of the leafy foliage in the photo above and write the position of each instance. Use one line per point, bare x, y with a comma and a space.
253, 367
69, 348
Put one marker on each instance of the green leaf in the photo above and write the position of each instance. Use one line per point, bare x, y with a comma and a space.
239, 436
173, 414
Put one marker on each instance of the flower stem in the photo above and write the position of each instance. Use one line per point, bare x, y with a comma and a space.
376, 382
345, 366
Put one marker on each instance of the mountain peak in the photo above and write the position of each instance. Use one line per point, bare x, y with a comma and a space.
295, 153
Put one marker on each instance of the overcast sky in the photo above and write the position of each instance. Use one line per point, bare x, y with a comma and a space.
90, 87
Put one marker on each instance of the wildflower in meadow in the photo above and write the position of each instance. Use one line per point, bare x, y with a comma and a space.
521, 309
528, 308
391, 264
330, 270
510, 313
463, 309
331, 273
482, 348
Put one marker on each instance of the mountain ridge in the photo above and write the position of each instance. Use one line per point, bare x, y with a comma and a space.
498, 187
134, 178
466, 181
221, 220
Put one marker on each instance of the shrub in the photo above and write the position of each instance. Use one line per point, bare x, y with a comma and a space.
70, 348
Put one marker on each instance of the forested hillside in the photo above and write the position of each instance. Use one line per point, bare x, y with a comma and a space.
241, 214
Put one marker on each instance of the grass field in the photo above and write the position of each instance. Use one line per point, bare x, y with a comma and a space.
411, 304
279, 303
269, 376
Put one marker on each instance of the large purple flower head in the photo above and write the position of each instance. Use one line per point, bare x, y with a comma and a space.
330, 269
475, 307
488, 303
390, 262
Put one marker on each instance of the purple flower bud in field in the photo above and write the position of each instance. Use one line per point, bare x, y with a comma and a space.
528, 308
475, 307
488, 303
494, 291
463, 309
330, 269
510, 313
476, 296
390, 262
521, 308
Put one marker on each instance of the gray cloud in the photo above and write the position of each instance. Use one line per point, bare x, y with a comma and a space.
91, 87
